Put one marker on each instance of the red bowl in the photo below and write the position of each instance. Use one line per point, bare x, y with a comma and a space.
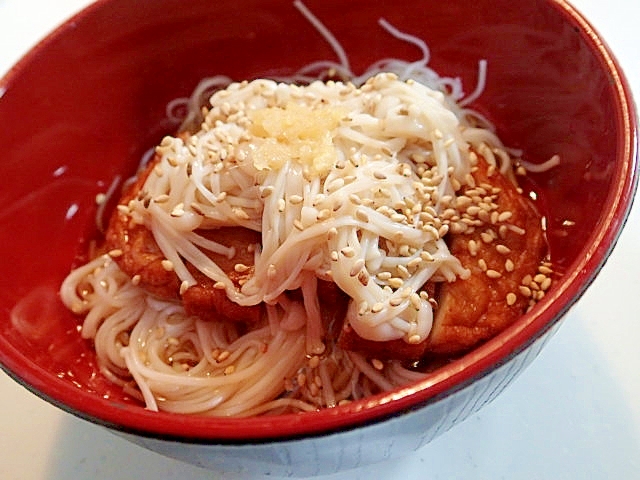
84, 105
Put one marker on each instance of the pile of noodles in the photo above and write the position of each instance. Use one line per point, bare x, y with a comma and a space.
351, 195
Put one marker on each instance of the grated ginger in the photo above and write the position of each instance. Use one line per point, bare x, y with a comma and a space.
296, 132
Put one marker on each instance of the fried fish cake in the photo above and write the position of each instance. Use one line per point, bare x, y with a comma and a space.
503, 246
141, 258
499, 254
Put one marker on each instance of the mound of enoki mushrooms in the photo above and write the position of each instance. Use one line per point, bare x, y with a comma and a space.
306, 246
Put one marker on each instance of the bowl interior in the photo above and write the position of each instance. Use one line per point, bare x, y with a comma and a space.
84, 106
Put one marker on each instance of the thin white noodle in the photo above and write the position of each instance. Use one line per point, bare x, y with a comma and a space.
371, 373
480, 86
554, 161
100, 212
325, 32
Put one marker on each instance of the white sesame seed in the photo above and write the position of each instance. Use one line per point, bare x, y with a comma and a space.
484, 216
240, 213
470, 180
486, 237
178, 210
395, 301
539, 278
504, 216
361, 215
473, 210
463, 202
403, 271
503, 249
406, 292
266, 191
428, 228
426, 256
414, 263
323, 215
493, 273
240, 267
356, 267
545, 270
472, 246
377, 307
416, 301
167, 265
526, 291
348, 252
223, 356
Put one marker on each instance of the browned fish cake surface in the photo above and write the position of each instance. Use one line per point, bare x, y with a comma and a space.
142, 258
499, 254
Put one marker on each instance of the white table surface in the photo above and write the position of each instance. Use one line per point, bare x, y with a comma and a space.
573, 414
